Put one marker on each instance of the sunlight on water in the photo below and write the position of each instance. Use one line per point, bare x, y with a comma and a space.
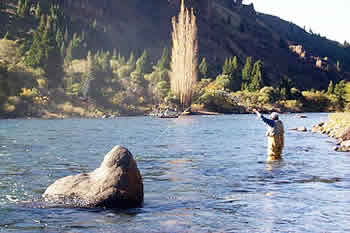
201, 174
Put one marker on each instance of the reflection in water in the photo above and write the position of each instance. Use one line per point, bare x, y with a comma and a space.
274, 165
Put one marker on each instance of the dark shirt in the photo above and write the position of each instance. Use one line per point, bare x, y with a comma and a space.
267, 121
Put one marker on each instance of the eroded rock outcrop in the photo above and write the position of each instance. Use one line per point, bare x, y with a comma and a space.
117, 183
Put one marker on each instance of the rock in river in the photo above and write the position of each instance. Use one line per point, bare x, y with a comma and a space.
117, 183
300, 129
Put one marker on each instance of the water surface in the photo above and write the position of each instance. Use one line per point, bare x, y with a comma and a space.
201, 174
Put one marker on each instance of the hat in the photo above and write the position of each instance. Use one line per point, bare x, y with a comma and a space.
274, 116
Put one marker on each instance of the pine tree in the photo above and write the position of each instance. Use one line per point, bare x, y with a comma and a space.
37, 11
66, 35
286, 84
203, 68
69, 52
246, 73
114, 54
337, 66
230, 66
339, 92
45, 53
163, 62
142, 64
6, 36
26, 8
63, 49
131, 60
184, 58
20, 6
90, 75
256, 82
142, 67
35, 54
330, 88
94, 24
53, 60
59, 37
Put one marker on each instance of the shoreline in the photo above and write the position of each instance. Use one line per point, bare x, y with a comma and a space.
51, 115
338, 127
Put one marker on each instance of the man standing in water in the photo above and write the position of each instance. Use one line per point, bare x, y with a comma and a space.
275, 135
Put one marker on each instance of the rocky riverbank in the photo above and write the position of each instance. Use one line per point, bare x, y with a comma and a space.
337, 126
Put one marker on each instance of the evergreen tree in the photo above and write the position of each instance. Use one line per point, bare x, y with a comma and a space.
90, 75
45, 53
337, 66
164, 61
339, 92
63, 49
114, 54
256, 82
37, 11
66, 35
53, 60
94, 24
142, 63
6, 36
203, 68
246, 73
59, 38
230, 66
19, 7
286, 84
25, 8
69, 53
330, 88
230, 69
131, 60
142, 67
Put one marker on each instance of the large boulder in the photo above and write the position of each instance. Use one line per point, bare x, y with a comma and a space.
117, 183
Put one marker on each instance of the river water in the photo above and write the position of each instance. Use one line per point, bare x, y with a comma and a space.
201, 174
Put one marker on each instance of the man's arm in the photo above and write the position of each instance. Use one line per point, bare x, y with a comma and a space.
267, 121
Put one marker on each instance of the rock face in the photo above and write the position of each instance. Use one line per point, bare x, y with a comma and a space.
117, 183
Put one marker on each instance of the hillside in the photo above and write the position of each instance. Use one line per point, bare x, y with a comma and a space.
64, 43
225, 29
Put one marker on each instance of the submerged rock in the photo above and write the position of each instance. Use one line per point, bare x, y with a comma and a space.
317, 128
300, 129
301, 116
117, 183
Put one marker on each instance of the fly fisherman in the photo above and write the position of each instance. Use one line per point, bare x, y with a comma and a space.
275, 135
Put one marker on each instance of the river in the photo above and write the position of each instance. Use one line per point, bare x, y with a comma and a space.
201, 174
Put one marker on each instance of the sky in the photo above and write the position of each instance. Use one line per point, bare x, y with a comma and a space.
329, 18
